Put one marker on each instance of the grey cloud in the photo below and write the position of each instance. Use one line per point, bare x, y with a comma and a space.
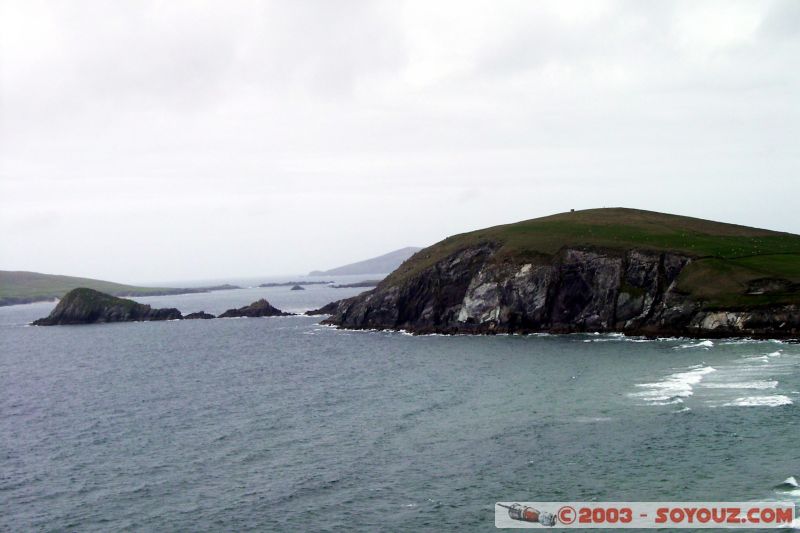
338, 119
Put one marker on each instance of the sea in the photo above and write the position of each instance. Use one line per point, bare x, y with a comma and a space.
283, 424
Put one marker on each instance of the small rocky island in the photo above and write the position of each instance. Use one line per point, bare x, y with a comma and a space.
297, 288
88, 306
201, 315
605, 270
256, 309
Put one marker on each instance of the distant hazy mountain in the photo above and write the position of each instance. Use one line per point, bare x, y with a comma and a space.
382, 264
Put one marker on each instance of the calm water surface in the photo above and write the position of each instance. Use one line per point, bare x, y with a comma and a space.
280, 424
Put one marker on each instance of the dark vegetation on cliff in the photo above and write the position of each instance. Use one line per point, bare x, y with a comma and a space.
601, 269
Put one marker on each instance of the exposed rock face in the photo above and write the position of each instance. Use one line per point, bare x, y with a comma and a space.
328, 309
87, 306
578, 289
255, 309
202, 315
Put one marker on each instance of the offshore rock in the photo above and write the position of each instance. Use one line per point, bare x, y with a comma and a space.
256, 309
202, 315
88, 306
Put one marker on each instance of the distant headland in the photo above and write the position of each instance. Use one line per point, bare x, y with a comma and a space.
383, 264
21, 287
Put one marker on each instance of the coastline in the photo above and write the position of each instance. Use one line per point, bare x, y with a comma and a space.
523, 332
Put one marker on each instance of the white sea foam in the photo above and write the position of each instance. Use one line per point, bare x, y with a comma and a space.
740, 341
790, 481
671, 401
742, 385
616, 337
706, 344
759, 358
760, 401
674, 387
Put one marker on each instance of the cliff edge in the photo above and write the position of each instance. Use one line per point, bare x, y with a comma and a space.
612, 270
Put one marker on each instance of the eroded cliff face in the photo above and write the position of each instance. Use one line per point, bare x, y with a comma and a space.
633, 291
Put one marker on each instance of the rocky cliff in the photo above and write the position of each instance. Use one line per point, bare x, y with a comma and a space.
88, 306
483, 288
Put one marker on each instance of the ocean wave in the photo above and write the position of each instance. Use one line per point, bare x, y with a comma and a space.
669, 401
621, 339
759, 358
760, 401
706, 344
742, 385
674, 387
734, 342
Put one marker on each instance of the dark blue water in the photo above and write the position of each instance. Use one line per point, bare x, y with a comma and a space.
279, 424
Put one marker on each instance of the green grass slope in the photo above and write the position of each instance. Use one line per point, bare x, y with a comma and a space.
24, 287
734, 267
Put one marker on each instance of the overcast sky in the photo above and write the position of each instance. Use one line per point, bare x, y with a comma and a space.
165, 140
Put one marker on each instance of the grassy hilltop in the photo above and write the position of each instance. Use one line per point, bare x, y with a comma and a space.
734, 266
18, 287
